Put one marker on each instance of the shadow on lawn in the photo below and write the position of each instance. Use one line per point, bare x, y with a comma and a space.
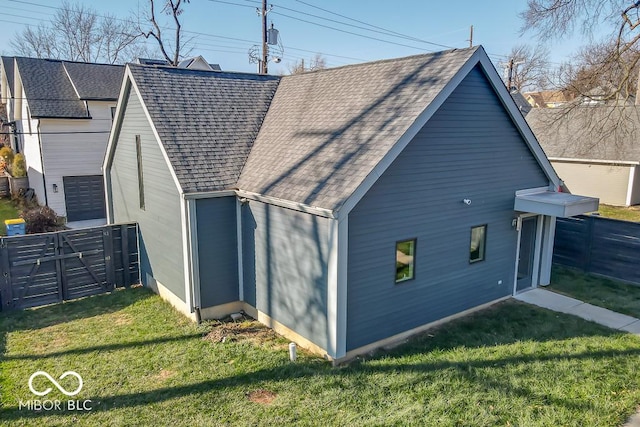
51, 315
506, 323
468, 371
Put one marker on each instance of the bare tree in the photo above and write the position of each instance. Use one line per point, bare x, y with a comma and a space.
171, 50
77, 33
617, 56
531, 67
318, 62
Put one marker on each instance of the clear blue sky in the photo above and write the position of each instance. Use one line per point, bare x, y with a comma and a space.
226, 29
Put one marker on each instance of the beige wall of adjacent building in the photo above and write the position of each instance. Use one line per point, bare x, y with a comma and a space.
613, 184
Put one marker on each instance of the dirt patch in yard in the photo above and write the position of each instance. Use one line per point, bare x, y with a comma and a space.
163, 375
123, 319
244, 330
263, 397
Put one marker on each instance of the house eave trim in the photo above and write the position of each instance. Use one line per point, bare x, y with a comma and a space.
301, 207
594, 161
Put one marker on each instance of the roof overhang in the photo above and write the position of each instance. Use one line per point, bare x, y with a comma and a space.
555, 204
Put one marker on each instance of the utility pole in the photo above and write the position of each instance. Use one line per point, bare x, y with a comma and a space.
265, 47
510, 74
471, 37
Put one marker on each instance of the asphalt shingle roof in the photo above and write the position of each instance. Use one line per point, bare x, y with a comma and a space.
588, 132
325, 131
51, 92
48, 89
95, 81
206, 120
7, 66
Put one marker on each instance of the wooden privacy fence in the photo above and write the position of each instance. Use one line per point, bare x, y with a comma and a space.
46, 268
599, 245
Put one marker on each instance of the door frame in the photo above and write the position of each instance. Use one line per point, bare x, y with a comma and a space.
535, 274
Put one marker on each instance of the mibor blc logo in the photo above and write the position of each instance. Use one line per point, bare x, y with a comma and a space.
55, 405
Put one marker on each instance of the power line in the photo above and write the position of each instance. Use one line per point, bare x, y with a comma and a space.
385, 30
347, 32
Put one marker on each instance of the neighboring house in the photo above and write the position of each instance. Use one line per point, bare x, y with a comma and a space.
593, 149
7, 97
63, 113
194, 63
521, 102
547, 98
346, 208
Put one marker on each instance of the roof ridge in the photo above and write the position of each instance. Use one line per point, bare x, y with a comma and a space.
397, 59
196, 71
63, 61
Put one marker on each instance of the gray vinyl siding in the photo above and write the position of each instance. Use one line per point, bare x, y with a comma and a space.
285, 258
217, 250
161, 247
468, 149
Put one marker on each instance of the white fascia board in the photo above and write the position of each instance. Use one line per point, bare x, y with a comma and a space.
518, 119
155, 133
117, 122
209, 194
594, 161
408, 136
301, 207
479, 57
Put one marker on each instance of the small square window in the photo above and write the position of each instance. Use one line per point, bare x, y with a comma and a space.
405, 260
478, 243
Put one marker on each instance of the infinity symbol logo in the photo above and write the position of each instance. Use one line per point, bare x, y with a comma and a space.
55, 383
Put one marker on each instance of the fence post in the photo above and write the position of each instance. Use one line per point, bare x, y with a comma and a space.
107, 243
586, 267
124, 241
6, 294
61, 271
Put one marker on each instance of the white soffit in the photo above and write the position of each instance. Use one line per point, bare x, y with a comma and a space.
555, 204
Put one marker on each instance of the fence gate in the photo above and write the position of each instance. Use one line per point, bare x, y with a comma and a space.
52, 267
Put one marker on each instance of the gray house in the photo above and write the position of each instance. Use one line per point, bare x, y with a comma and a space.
594, 149
346, 208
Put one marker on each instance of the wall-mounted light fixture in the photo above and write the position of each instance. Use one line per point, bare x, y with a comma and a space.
466, 202
55, 188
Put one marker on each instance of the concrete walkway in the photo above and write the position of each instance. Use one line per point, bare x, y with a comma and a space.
556, 302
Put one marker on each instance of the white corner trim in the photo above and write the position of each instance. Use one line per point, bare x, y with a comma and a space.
194, 252
240, 254
537, 254
547, 250
337, 288
332, 290
343, 264
632, 178
186, 254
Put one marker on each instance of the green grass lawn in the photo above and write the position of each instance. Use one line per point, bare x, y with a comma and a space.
144, 364
619, 212
7, 211
617, 296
